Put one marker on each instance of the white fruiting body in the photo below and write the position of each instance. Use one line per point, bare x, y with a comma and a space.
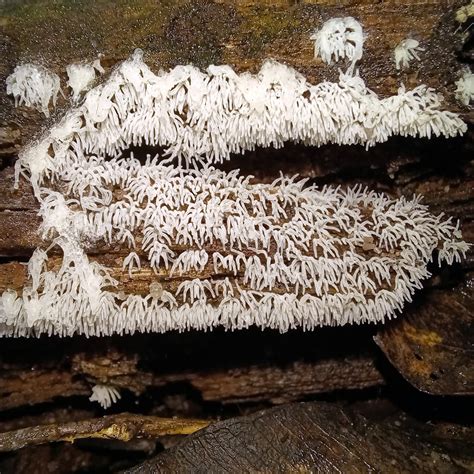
337, 39
276, 256
104, 395
406, 51
283, 255
204, 117
34, 86
81, 76
465, 88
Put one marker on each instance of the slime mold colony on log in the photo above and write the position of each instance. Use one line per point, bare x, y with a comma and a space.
224, 250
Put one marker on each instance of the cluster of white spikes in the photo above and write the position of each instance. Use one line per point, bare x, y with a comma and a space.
226, 252
465, 88
278, 255
34, 86
339, 38
406, 51
104, 395
81, 76
205, 117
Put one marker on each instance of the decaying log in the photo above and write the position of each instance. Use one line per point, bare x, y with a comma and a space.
274, 368
440, 170
313, 436
420, 174
239, 33
123, 427
430, 344
30, 387
256, 383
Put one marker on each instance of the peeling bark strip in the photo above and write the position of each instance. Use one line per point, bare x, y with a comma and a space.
238, 385
241, 383
123, 427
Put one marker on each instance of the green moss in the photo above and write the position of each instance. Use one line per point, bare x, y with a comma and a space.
265, 25
198, 31
58, 32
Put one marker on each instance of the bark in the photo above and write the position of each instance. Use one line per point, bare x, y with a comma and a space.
273, 369
431, 346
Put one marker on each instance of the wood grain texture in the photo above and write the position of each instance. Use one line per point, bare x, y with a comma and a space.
242, 367
308, 437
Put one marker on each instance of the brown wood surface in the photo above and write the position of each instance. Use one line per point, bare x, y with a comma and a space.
313, 437
432, 345
138, 365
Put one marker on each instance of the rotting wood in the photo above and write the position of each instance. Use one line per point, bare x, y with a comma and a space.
311, 437
237, 383
255, 383
420, 171
242, 34
30, 387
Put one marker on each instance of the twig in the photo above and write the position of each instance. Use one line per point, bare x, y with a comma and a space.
123, 427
